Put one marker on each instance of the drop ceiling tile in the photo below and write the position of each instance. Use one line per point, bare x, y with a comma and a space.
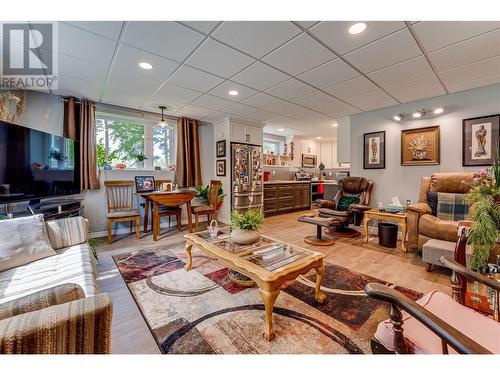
84, 45
350, 88
127, 74
470, 75
299, 55
262, 115
337, 109
177, 41
335, 34
314, 99
420, 88
194, 79
257, 38
438, 34
286, 108
171, 93
194, 112
311, 117
260, 76
403, 72
70, 86
214, 117
371, 100
82, 69
467, 52
239, 109
307, 24
480, 82
127, 98
204, 27
389, 50
212, 102
290, 89
222, 91
328, 74
109, 29
218, 59
262, 100
152, 105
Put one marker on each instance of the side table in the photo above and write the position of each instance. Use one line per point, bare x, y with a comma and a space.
382, 215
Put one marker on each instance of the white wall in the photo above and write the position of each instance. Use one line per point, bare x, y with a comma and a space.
404, 181
43, 112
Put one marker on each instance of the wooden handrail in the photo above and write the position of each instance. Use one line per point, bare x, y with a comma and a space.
458, 268
453, 337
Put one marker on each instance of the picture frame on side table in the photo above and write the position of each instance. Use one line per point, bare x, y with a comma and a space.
480, 136
420, 146
220, 167
374, 150
220, 149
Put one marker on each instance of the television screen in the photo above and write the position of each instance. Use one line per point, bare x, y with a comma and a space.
35, 165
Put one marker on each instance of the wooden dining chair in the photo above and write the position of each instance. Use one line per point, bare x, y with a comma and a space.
209, 209
168, 210
120, 204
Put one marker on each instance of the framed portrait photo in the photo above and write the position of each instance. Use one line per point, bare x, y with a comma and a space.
220, 149
374, 150
480, 137
420, 146
220, 167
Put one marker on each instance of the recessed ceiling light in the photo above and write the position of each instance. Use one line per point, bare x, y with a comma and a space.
145, 65
280, 129
357, 28
397, 117
438, 110
233, 92
334, 124
318, 137
418, 113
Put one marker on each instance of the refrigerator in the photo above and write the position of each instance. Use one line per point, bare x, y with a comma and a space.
247, 189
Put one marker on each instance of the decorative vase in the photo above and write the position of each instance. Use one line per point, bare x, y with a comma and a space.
244, 237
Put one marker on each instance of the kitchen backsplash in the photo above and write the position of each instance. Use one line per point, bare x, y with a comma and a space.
280, 173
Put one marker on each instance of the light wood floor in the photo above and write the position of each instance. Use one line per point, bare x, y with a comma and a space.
130, 333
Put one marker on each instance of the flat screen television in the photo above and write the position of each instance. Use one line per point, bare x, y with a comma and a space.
35, 165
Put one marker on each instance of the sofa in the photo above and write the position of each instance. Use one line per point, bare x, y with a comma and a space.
51, 305
422, 225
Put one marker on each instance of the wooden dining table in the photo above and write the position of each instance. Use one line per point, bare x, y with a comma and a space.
173, 198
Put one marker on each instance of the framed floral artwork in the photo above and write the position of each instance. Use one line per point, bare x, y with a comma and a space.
480, 139
420, 146
374, 150
220, 167
220, 149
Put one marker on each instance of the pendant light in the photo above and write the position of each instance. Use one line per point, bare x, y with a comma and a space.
162, 122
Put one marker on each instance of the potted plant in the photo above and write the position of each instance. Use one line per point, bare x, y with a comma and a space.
56, 155
484, 197
139, 160
245, 226
202, 195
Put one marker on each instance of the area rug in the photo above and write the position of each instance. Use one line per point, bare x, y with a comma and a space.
203, 311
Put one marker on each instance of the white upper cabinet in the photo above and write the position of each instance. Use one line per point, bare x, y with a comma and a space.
325, 155
243, 133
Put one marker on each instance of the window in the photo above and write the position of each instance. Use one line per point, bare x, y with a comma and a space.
272, 146
124, 139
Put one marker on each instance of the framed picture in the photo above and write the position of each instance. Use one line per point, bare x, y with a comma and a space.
144, 184
420, 146
220, 149
220, 167
480, 137
374, 150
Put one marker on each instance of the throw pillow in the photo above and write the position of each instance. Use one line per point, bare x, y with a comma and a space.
432, 200
346, 201
23, 240
452, 207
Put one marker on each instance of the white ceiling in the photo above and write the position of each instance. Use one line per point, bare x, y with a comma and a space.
300, 76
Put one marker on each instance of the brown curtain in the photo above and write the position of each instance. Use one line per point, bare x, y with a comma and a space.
88, 163
70, 119
188, 170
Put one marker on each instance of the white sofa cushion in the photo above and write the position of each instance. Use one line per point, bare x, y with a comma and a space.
23, 240
75, 264
67, 232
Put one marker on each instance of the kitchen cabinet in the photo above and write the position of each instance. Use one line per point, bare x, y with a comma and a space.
242, 133
328, 154
286, 197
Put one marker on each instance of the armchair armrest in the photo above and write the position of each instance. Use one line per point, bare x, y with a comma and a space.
324, 203
453, 337
40, 300
78, 327
420, 208
358, 208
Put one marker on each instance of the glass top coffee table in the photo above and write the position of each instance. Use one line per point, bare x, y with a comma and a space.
268, 262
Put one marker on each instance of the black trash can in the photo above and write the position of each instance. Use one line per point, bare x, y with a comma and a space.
387, 234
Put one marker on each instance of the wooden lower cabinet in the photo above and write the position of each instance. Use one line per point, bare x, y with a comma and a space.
282, 197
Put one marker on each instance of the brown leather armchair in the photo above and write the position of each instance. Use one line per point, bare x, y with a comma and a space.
422, 226
354, 214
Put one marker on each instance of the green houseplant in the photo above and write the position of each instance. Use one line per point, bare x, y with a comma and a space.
484, 198
245, 226
203, 195
139, 160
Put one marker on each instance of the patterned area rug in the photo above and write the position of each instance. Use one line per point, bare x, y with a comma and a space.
203, 311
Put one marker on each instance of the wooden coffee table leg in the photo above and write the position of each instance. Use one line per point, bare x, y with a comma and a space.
366, 219
403, 237
319, 296
269, 297
189, 263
